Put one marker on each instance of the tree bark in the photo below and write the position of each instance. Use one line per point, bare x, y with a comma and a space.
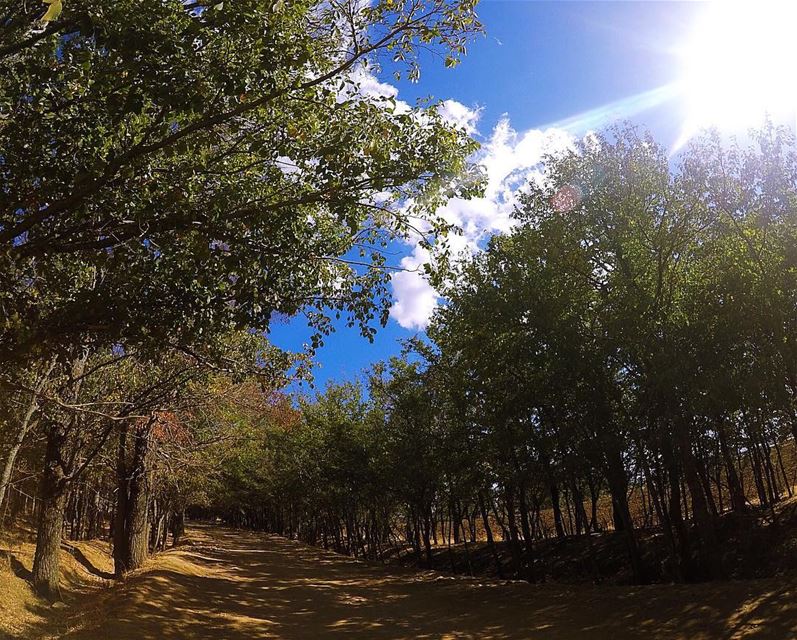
618, 488
52, 492
178, 528
553, 489
137, 529
427, 545
488, 532
25, 426
525, 527
16, 445
704, 523
738, 502
514, 542
131, 532
121, 558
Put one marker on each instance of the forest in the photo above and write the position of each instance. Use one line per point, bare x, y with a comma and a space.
610, 385
622, 361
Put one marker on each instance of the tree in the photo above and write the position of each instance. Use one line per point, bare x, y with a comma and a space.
98, 394
176, 171
173, 168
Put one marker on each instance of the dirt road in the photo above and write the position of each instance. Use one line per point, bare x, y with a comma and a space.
234, 585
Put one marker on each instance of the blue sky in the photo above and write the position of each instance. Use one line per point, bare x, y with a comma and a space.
540, 64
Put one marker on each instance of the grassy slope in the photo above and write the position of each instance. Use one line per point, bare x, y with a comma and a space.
759, 544
85, 569
233, 584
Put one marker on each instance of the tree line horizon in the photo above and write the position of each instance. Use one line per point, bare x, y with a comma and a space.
175, 175
632, 335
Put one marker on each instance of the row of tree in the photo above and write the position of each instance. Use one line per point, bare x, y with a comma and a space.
174, 175
102, 444
631, 341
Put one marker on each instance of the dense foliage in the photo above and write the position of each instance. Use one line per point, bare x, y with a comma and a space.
173, 175
629, 344
173, 168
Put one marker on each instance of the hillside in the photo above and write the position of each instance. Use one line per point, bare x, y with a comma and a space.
232, 584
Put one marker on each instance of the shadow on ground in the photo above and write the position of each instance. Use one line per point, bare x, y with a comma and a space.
233, 585
78, 555
19, 569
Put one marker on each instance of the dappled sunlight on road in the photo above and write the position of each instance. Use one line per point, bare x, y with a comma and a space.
232, 585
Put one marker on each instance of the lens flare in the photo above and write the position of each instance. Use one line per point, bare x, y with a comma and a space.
739, 66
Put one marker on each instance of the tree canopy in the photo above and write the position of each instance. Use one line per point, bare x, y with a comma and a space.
175, 168
628, 344
173, 175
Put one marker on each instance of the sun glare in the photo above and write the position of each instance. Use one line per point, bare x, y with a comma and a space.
740, 65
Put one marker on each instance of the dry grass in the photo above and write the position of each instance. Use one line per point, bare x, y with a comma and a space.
17, 604
83, 565
231, 585
237, 585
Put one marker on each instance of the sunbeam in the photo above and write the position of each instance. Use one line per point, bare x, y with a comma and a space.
617, 110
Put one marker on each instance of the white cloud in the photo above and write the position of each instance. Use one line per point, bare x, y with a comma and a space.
362, 84
369, 85
459, 115
511, 160
415, 299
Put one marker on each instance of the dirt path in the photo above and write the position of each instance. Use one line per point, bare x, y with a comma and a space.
234, 585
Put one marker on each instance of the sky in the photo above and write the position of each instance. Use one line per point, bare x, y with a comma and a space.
544, 74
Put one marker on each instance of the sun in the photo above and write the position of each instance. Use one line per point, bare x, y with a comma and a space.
740, 65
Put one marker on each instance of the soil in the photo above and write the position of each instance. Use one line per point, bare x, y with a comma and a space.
231, 585
760, 543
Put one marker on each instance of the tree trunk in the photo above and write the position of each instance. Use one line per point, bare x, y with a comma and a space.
131, 532
488, 532
618, 488
786, 479
137, 523
52, 493
557, 508
178, 528
684, 564
456, 519
525, 527
25, 426
704, 523
594, 494
121, 560
514, 542
738, 502
16, 445
427, 545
